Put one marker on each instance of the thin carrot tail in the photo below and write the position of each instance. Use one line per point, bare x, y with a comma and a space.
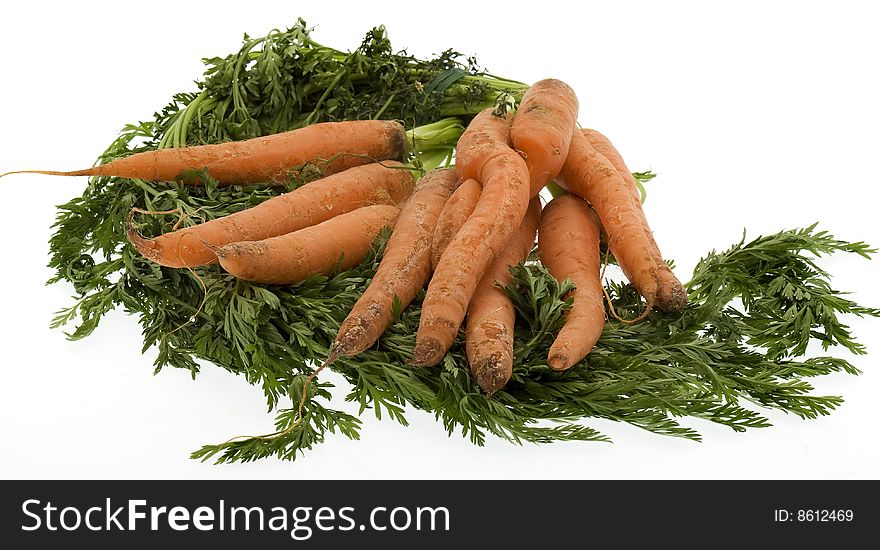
299, 409
305, 393
650, 295
649, 304
86, 172
147, 247
337, 350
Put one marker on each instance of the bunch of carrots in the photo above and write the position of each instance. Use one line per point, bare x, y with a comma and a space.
458, 230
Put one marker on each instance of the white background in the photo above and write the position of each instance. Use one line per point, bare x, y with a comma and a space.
758, 115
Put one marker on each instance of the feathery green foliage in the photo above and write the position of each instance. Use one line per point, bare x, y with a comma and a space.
287, 80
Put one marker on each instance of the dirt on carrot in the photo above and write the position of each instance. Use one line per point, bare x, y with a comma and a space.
483, 153
405, 265
671, 295
591, 176
491, 315
603, 146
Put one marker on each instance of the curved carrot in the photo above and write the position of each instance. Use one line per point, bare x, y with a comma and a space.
336, 244
568, 242
542, 129
604, 147
312, 203
491, 316
671, 295
591, 176
483, 153
332, 146
456, 211
405, 266
485, 138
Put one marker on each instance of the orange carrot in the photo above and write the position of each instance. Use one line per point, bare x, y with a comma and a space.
483, 153
336, 244
312, 203
457, 210
604, 147
404, 269
491, 316
671, 295
568, 242
542, 129
485, 138
332, 146
591, 176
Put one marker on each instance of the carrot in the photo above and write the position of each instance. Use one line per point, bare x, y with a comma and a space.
604, 147
312, 203
568, 243
591, 176
334, 245
486, 137
542, 128
457, 210
333, 146
483, 153
490, 315
404, 269
671, 295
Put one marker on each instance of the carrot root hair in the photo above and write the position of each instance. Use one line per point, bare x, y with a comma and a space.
148, 247
649, 301
201, 304
302, 402
145, 246
86, 172
182, 216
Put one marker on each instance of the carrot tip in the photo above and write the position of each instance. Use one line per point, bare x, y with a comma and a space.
427, 353
350, 340
491, 375
559, 362
671, 298
145, 246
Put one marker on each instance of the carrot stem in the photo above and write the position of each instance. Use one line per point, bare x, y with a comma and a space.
555, 189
